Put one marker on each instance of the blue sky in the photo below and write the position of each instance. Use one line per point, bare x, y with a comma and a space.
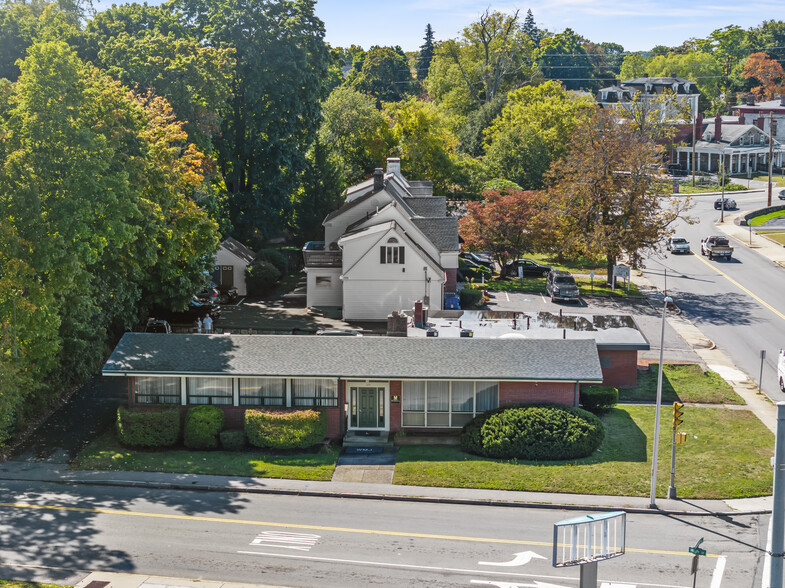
637, 25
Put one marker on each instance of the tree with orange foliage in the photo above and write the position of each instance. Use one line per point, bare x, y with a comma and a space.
768, 72
505, 223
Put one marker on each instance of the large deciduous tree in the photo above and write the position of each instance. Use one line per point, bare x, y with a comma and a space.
530, 132
505, 222
384, 74
603, 200
562, 57
768, 72
274, 114
492, 56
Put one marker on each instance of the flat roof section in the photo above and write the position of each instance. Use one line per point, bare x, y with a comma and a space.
609, 331
355, 357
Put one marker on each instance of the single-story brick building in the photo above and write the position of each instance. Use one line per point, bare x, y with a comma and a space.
364, 383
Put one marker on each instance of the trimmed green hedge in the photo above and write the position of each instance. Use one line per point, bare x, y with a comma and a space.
285, 430
150, 429
470, 297
599, 399
202, 426
533, 432
233, 439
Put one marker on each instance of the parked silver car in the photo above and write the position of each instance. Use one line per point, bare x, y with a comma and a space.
678, 245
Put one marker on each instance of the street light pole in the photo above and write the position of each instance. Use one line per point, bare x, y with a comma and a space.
653, 493
722, 198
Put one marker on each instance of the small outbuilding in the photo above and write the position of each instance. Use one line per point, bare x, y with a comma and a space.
231, 261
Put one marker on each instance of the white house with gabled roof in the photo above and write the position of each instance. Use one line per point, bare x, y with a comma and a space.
388, 246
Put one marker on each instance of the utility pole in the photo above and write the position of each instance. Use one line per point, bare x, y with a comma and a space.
778, 511
694, 127
771, 150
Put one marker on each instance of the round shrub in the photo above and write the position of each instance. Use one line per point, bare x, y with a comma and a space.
285, 430
599, 399
261, 277
202, 425
533, 432
274, 257
470, 297
233, 439
149, 428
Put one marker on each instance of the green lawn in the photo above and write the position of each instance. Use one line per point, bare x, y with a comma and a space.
759, 220
776, 180
727, 455
777, 236
683, 383
688, 188
106, 453
584, 285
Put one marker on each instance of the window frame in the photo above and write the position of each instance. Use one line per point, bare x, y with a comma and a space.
455, 418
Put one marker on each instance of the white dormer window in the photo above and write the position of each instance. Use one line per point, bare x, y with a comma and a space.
391, 252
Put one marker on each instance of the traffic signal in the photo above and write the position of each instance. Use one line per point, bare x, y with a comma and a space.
677, 414
681, 438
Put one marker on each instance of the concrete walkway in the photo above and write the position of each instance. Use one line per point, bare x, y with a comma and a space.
113, 580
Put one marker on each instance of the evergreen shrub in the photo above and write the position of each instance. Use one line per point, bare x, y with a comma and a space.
202, 426
285, 430
599, 399
148, 429
540, 432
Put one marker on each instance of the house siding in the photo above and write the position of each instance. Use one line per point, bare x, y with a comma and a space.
224, 257
619, 368
536, 392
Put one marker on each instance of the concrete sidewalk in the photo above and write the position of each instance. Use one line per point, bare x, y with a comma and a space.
114, 580
59, 474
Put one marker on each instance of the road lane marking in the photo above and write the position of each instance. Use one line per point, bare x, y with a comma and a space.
442, 569
519, 559
735, 283
716, 575
123, 513
297, 541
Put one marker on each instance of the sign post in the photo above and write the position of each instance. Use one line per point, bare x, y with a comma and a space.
585, 541
760, 377
697, 552
591, 277
677, 420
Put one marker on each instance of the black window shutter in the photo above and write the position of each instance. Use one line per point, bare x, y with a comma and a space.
400, 255
382, 256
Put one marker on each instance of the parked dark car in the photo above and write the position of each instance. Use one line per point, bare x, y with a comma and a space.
210, 293
157, 326
781, 195
560, 285
468, 269
483, 259
197, 309
528, 267
730, 204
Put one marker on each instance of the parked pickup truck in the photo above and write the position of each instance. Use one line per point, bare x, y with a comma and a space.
716, 246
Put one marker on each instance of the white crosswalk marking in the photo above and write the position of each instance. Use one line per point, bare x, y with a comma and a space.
298, 541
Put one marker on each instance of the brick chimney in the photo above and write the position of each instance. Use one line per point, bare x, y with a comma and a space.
750, 100
378, 179
759, 122
698, 126
418, 314
717, 127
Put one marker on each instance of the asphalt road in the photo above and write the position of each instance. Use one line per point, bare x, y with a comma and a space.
57, 533
739, 304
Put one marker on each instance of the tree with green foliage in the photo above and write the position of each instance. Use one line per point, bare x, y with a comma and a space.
356, 132
633, 66
274, 112
562, 57
698, 66
768, 37
319, 195
492, 56
423, 141
426, 54
385, 75
530, 28
530, 132
18, 29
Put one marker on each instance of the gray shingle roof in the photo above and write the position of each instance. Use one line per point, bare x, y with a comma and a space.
442, 232
431, 206
355, 357
349, 205
234, 246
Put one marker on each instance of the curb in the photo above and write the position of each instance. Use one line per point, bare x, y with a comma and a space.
390, 497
